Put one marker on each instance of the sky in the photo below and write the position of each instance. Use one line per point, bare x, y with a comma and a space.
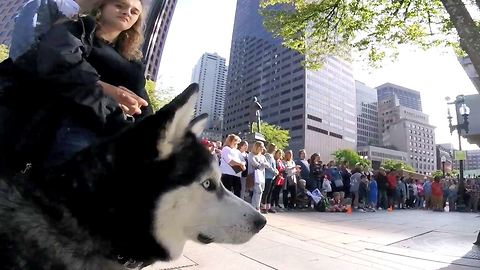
206, 26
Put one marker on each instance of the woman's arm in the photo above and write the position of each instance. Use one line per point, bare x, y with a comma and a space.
62, 65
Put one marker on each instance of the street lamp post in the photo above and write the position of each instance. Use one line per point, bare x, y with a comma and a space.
464, 111
443, 159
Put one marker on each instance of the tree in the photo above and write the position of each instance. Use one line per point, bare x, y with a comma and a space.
437, 173
396, 165
453, 173
158, 99
375, 27
351, 159
3, 52
274, 134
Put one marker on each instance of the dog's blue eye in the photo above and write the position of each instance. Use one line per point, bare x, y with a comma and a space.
206, 184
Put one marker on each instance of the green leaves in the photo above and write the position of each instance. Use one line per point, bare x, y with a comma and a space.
274, 134
373, 29
396, 165
437, 173
160, 98
351, 159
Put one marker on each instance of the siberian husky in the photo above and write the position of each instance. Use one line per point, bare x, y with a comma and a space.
134, 198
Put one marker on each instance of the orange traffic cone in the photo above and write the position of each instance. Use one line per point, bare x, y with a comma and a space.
390, 209
349, 210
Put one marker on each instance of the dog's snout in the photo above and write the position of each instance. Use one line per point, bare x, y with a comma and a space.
259, 223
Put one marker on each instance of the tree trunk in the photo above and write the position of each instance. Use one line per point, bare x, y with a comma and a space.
467, 31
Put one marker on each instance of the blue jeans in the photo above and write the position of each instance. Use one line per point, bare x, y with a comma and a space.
69, 140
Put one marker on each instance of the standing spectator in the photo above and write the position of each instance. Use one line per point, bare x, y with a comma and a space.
304, 165
231, 158
401, 193
412, 193
243, 147
316, 173
452, 195
346, 180
474, 196
427, 190
270, 173
259, 163
420, 194
354, 185
362, 193
279, 181
291, 181
382, 189
372, 192
391, 188
445, 185
437, 195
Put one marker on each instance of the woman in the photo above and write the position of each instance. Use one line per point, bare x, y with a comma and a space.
279, 180
243, 147
316, 173
270, 173
75, 109
258, 164
229, 161
290, 186
116, 57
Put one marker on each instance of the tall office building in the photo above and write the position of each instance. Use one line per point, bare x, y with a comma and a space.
317, 107
473, 160
156, 30
210, 73
8, 11
407, 97
408, 130
367, 115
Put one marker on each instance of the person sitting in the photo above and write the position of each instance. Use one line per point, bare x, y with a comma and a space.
74, 108
336, 204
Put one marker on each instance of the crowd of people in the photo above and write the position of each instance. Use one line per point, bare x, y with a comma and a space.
264, 175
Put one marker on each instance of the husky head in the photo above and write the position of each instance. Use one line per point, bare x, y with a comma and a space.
198, 207
162, 188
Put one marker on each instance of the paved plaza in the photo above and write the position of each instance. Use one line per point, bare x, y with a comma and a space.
402, 239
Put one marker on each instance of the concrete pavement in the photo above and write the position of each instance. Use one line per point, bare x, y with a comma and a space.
402, 239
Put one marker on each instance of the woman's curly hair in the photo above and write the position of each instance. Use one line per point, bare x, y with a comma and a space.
129, 42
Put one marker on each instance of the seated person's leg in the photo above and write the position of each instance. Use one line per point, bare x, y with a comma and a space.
69, 140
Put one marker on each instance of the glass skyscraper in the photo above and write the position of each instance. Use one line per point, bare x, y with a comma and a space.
407, 97
317, 107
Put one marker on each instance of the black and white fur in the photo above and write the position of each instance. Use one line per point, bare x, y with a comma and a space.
139, 195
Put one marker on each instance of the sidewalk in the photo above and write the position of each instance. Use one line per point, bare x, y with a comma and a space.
402, 239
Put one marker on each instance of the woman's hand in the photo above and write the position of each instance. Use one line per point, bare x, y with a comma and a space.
128, 101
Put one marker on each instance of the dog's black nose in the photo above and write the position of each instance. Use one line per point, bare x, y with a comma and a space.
259, 223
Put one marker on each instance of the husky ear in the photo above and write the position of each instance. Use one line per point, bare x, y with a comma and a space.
183, 105
198, 124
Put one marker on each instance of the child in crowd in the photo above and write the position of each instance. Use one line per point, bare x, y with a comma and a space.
336, 204
327, 186
38, 16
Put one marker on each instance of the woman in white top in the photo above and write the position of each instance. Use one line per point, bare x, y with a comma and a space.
230, 159
291, 171
259, 163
